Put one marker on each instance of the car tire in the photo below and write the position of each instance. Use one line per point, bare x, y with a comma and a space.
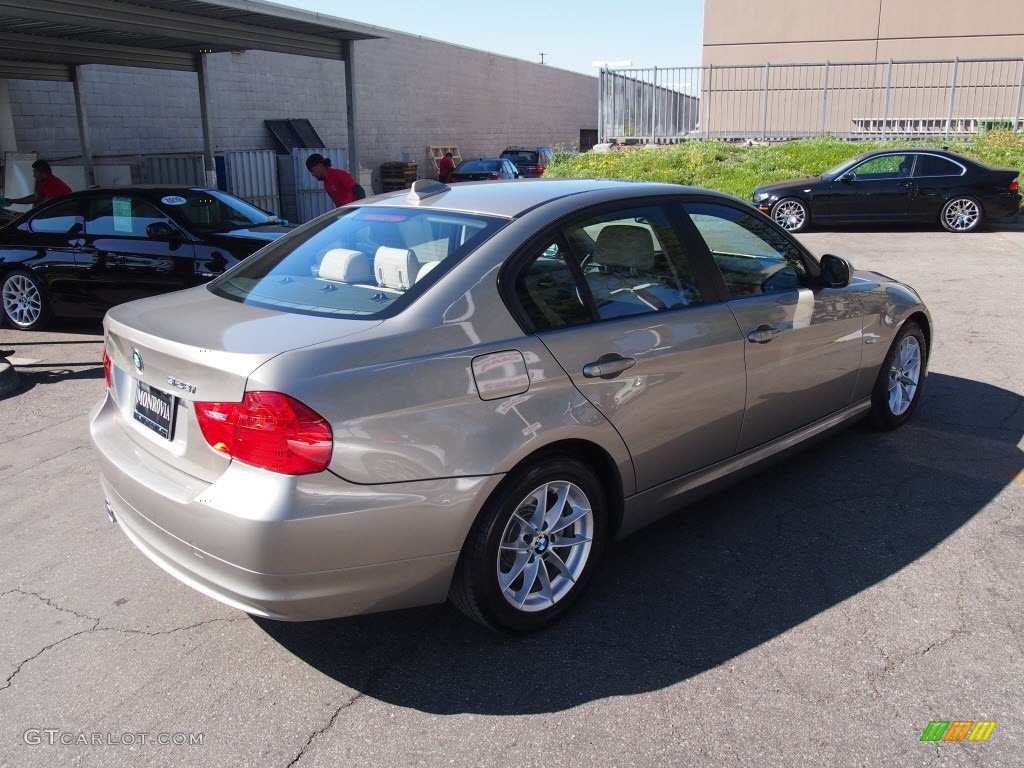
534, 548
23, 301
898, 386
791, 214
961, 214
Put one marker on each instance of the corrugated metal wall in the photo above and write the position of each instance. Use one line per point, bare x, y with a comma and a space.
252, 176
179, 170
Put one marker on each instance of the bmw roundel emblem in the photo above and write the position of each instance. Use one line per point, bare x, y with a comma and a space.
137, 359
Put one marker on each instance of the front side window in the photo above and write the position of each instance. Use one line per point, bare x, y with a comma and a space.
753, 257
206, 210
361, 262
884, 167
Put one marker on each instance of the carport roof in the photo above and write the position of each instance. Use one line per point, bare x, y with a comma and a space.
46, 39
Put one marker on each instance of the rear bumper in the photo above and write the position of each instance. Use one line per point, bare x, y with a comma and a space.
288, 548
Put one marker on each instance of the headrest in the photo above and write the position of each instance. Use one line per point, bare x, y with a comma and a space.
395, 268
624, 245
346, 266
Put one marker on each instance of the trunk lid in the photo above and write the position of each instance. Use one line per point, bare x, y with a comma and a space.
171, 351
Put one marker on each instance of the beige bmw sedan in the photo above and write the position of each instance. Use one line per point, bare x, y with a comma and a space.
469, 393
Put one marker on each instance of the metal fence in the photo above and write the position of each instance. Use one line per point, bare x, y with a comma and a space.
876, 100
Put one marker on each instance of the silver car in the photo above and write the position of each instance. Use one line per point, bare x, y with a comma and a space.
471, 392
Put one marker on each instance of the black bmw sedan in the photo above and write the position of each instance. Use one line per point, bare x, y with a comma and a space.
83, 253
896, 185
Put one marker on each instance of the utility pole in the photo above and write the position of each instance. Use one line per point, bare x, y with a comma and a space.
542, 57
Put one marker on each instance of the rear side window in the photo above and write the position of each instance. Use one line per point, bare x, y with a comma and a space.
360, 262
60, 219
619, 263
121, 216
933, 165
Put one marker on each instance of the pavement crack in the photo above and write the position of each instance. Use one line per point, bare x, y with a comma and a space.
45, 461
48, 602
369, 686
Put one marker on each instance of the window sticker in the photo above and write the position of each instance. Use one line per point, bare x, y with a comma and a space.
173, 200
122, 214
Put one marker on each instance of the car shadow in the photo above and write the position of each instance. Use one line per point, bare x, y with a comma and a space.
708, 584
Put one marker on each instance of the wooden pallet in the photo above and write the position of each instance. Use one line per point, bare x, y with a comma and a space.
394, 176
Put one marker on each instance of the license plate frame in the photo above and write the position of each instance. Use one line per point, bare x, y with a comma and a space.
155, 409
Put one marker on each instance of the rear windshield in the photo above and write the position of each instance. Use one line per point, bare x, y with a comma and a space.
471, 166
521, 156
358, 262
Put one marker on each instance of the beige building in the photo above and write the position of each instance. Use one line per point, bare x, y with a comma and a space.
802, 31
862, 68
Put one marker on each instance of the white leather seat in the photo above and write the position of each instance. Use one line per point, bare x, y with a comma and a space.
395, 268
346, 266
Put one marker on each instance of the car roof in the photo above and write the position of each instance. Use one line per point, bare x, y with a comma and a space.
917, 151
510, 199
147, 190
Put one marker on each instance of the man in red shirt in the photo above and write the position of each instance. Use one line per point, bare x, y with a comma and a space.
339, 185
445, 168
48, 186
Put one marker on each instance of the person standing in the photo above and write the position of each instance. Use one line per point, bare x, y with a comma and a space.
445, 168
48, 186
340, 185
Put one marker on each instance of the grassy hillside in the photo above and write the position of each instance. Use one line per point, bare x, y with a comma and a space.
738, 169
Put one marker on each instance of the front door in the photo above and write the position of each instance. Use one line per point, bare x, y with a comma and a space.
879, 189
803, 342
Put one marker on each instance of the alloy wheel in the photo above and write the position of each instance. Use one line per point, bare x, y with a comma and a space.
545, 546
23, 303
904, 375
961, 215
791, 215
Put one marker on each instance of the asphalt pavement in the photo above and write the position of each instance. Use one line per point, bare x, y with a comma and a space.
823, 613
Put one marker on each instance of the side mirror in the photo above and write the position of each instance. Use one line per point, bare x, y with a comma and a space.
835, 272
158, 230
848, 177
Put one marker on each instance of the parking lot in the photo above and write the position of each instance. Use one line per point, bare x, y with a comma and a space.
821, 614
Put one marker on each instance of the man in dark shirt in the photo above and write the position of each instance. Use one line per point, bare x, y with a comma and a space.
48, 186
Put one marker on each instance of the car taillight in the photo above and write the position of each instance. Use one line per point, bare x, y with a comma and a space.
1014, 185
269, 430
108, 374
495, 176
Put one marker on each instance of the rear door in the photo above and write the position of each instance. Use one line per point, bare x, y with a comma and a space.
629, 316
802, 342
122, 260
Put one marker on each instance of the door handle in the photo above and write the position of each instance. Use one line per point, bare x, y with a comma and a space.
608, 366
763, 334
904, 184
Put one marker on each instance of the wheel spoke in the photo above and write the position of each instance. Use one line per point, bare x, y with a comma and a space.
552, 557
522, 560
520, 596
578, 511
554, 513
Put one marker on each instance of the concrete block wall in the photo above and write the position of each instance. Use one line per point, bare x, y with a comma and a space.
412, 92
